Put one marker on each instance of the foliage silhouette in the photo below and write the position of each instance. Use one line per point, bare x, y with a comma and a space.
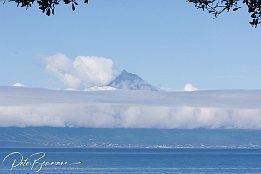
46, 6
215, 7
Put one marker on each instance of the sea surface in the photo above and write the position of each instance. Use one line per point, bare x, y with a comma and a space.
130, 160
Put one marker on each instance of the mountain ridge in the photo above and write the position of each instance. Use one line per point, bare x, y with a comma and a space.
130, 81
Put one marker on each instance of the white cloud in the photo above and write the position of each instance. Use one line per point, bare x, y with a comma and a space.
130, 109
19, 85
189, 87
81, 72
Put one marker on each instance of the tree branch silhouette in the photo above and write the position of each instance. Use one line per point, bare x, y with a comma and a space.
216, 7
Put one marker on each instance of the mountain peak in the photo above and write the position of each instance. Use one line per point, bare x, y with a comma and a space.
129, 81
123, 71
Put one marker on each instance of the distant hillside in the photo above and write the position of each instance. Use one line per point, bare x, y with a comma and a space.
129, 138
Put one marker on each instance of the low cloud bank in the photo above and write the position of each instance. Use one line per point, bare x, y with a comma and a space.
130, 109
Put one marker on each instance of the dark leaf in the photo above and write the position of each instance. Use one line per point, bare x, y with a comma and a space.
48, 12
73, 7
66, 1
253, 15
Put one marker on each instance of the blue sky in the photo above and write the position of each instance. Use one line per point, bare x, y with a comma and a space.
167, 43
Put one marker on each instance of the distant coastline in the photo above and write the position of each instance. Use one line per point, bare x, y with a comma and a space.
49, 137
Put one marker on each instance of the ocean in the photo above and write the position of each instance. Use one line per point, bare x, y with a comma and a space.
129, 160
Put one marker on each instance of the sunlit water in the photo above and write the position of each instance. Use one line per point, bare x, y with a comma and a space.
124, 161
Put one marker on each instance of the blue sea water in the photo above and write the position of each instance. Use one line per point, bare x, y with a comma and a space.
133, 160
